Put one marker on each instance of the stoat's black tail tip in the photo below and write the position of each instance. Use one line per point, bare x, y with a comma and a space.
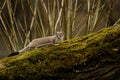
13, 53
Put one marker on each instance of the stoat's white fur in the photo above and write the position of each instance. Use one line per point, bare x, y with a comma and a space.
50, 40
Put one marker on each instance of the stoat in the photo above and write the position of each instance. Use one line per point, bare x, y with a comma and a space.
35, 43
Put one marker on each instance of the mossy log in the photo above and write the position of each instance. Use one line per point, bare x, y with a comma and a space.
92, 57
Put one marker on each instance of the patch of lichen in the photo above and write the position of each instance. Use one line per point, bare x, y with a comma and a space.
62, 61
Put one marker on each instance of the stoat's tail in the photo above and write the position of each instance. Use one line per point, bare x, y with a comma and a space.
16, 53
24, 49
13, 54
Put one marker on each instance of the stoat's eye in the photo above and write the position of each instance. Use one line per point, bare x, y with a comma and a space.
60, 35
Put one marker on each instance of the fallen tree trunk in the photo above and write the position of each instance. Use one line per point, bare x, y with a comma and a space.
92, 57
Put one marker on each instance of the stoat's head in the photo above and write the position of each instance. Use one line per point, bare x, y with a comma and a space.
60, 35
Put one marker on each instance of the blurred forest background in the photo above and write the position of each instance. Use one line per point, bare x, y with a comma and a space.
23, 20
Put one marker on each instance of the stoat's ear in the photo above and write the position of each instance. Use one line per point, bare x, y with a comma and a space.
60, 32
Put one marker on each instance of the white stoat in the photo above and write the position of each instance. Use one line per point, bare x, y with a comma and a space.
35, 43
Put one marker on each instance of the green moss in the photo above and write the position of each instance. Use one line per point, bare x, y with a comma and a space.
60, 62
